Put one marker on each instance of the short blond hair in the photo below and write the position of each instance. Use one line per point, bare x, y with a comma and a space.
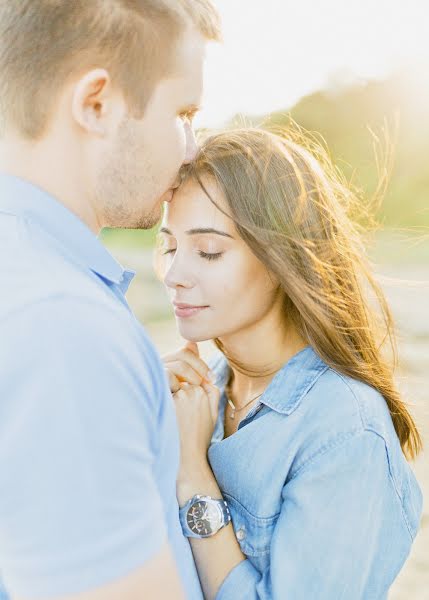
44, 43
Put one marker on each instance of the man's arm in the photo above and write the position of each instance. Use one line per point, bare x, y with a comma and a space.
80, 506
156, 580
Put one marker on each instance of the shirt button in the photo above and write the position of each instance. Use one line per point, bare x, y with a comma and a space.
241, 534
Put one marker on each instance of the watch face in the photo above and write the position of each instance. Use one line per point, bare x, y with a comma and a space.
203, 518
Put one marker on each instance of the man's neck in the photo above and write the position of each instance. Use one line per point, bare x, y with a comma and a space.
52, 171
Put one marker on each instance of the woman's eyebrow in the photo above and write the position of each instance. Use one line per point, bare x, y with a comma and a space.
198, 231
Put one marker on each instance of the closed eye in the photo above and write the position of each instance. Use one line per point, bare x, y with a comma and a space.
208, 256
205, 255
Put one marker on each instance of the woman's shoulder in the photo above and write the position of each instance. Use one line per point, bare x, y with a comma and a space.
338, 407
306, 385
340, 412
352, 403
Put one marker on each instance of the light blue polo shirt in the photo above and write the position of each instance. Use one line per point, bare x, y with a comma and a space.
89, 448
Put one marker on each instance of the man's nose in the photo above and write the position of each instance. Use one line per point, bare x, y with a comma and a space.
191, 144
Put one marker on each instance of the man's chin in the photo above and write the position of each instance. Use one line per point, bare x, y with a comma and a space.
144, 221
152, 219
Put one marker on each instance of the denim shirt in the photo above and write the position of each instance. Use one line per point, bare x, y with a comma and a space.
323, 503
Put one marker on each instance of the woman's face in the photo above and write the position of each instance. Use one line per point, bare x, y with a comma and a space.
217, 286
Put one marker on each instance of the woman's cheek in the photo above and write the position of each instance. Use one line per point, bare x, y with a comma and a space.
230, 281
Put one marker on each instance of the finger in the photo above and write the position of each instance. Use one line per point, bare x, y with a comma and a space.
173, 382
189, 353
184, 372
212, 391
187, 356
193, 347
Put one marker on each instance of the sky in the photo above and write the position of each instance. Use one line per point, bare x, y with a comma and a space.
277, 51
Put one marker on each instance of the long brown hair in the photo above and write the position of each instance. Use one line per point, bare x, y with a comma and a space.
295, 217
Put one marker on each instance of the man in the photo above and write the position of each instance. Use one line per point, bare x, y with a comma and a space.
96, 106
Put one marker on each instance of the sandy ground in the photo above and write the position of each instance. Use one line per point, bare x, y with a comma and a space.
407, 288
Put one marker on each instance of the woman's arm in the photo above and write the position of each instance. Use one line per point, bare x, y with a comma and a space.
340, 533
215, 557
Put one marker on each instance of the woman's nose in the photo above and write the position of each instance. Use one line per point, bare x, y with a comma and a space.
177, 275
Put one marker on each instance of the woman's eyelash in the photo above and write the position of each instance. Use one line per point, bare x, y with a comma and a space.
205, 255
214, 256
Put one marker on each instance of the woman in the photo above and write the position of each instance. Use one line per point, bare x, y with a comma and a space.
305, 447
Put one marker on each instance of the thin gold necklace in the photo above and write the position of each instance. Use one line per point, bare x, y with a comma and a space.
232, 405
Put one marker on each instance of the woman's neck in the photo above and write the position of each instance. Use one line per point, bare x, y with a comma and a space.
257, 353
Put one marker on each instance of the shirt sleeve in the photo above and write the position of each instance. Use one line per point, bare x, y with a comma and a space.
339, 514
79, 504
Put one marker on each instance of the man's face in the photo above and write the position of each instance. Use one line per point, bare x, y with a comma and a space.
140, 169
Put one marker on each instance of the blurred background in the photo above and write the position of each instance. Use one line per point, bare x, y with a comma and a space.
355, 73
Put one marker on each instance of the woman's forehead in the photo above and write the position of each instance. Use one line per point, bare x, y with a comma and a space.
191, 207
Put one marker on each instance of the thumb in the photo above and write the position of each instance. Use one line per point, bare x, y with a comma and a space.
193, 347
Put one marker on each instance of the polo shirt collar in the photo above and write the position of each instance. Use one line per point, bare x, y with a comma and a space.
25, 200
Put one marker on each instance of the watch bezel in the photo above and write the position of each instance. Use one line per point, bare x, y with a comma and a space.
214, 527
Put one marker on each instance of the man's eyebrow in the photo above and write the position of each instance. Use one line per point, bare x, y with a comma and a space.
199, 230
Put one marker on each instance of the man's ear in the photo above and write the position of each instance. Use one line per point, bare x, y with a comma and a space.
92, 102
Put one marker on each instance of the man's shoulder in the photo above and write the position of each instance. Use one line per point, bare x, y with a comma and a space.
35, 274
52, 300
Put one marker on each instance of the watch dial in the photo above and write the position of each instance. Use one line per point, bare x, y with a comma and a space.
203, 518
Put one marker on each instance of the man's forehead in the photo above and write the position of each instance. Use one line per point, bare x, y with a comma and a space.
190, 57
188, 95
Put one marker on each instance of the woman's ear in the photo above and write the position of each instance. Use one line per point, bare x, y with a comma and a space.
93, 102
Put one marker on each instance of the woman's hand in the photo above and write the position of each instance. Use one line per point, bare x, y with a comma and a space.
186, 366
197, 411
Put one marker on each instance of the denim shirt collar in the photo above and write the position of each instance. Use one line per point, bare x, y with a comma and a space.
288, 386
23, 199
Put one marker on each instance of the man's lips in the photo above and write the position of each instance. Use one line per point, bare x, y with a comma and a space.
187, 310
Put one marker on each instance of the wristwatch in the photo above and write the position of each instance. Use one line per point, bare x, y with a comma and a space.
203, 516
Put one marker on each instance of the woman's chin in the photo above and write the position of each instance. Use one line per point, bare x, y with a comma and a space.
190, 335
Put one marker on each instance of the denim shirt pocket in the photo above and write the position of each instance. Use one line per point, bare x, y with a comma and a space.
253, 533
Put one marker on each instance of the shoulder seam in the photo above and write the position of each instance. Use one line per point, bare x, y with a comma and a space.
341, 440
344, 380
392, 479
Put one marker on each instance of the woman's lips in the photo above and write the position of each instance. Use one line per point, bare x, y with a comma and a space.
188, 311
